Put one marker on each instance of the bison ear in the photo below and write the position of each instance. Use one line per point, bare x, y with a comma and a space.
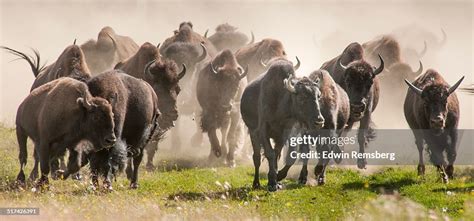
85, 103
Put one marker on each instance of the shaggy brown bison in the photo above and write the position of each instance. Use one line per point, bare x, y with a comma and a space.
58, 115
359, 80
162, 74
334, 105
136, 113
432, 111
71, 63
109, 49
271, 105
217, 90
227, 37
258, 54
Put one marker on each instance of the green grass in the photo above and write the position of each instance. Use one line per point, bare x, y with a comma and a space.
175, 191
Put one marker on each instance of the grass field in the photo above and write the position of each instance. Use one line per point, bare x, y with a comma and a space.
175, 191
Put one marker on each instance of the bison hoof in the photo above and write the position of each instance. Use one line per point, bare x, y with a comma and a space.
21, 177
108, 186
256, 185
421, 170
77, 176
302, 181
134, 186
150, 167
361, 163
231, 163
321, 181
450, 171
217, 153
59, 174
272, 188
42, 184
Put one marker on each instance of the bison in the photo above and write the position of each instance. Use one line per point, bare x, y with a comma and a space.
162, 74
109, 49
271, 105
359, 80
217, 90
257, 55
58, 115
334, 105
432, 111
227, 37
135, 107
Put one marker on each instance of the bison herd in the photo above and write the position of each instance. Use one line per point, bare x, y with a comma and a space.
108, 101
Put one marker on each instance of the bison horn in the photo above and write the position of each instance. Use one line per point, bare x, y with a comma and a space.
413, 87
342, 66
420, 69
262, 63
444, 39
425, 48
113, 40
74, 43
288, 85
455, 86
205, 33
244, 73
298, 63
158, 45
380, 68
182, 73
85, 103
204, 53
147, 67
253, 38
213, 69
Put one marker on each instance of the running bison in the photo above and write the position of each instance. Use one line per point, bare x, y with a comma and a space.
71, 63
257, 55
432, 112
217, 90
58, 115
135, 108
271, 106
359, 79
227, 37
334, 105
109, 49
162, 74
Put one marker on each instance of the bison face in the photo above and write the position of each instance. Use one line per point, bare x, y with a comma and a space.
99, 122
163, 76
186, 53
227, 80
305, 102
435, 105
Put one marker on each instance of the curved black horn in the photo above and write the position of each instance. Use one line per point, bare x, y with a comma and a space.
213, 69
245, 72
74, 43
455, 86
205, 33
381, 67
204, 53
147, 67
298, 63
253, 38
158, 45
425, 48
182, 73
413, 87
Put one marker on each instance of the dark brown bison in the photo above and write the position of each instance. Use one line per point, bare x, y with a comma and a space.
271, 105
109, 49
217, 90
135, 107
334, 106
162, 74
71, 63
432, 111
227, 37
58, 115
359, 80
189, 48
257, 55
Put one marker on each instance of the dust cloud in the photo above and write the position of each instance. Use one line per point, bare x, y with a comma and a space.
313, 31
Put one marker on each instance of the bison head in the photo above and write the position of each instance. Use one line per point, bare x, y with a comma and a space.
98, 122
164, 77
358, 80
305, 96
186, 53
227, 76
435, 102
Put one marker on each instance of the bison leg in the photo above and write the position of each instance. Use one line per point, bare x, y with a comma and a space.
271, 157
451, 153
44, 165
303, 178
289, 161
34, 172
136, 163
22, 140
320, 169
215, 146
419, 144
233, 137
256, 158
129, 170
364, 128
73, 164
151, 149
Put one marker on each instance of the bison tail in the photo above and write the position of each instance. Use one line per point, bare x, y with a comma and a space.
22, 139
34, 62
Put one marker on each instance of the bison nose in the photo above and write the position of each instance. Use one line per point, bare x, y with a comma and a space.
109, 141
437, 121
319, 121
358, 107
